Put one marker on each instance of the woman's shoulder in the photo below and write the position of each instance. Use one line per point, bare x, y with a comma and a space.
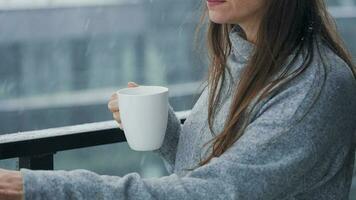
335, 73
327, 70
319, 101
326, 84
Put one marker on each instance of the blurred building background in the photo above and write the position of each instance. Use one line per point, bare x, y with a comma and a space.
60, 61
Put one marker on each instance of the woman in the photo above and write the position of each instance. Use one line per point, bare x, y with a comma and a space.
276, 120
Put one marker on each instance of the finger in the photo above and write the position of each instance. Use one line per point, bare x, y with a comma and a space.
113, 105
116, 116
132, 84
113, 96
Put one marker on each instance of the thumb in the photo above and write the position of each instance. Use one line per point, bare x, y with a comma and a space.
132, 84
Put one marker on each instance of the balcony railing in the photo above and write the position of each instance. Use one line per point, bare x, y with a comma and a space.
35, 149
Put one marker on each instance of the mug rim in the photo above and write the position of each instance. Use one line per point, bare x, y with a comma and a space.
163, 90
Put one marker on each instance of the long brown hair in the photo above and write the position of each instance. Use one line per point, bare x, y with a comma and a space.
287, 27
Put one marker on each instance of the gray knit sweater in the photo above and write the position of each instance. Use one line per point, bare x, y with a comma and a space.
285, 153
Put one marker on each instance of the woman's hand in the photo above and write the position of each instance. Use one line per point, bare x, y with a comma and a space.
11, 185
113, 104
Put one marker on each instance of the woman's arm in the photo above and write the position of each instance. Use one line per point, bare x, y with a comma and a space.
255, 168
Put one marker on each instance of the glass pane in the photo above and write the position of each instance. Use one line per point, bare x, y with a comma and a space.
347, 30
341, 2
113, 159
60, 66
9, 163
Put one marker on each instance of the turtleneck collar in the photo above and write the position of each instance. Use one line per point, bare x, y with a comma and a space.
241, 48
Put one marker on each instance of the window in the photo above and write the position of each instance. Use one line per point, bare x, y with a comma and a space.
62, 60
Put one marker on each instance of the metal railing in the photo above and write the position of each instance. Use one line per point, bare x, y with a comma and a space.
35, 149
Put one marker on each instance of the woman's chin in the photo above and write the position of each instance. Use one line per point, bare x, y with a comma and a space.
218, 18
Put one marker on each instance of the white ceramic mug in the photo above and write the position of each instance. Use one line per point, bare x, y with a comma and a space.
144, 115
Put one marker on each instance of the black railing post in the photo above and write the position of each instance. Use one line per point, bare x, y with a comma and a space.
38, 162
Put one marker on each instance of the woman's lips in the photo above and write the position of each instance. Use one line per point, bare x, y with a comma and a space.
214, 2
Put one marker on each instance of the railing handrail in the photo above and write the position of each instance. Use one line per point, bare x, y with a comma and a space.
49, 141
